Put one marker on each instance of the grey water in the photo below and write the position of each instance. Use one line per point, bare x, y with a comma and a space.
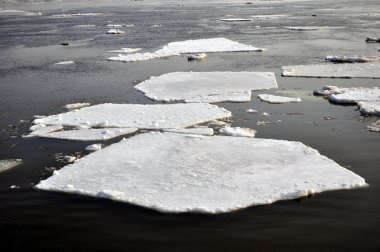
30, 84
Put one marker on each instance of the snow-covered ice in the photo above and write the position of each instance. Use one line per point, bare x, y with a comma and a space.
351, 59
190, 46
278, 99
77, 105
374, 127
157, 116
370, 108
68, 62
234, 20
204, 131
177, 173
206, 86
237, 131
89, 134
43, 129
364, 70
355, 95
94, 147
305, 28
125, 50
115, 31
7, 164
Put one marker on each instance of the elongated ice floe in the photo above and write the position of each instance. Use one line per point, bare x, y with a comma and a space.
89, 134
17, 12
77, 105
351, 59
125, 50
159, 116
305, 28
115, 31
70, 15
235, 20
68, 62
94, 147
268, 16
278, 99
7, 164
206, 86
364, 70
190, 46
237, 131
370, 108
181, 173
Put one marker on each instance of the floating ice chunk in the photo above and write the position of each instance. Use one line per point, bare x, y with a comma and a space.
176, 173
94, 147
77, 105
354, 95
43, 129
115, 25
69, 62
278, 99
374, 127
351, 59
115, 31
204, 131
84, 26
252, 111
159, 116
365, 70
305, 28
206, 86
90, 134
234, 20
69, 159
190, 46
125, 50
328, 90
200, 56
7, 164
17, 12
237, 131
77, 15
268, 16
370, 108
372, 40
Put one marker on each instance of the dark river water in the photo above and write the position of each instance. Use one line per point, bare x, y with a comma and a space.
31, 85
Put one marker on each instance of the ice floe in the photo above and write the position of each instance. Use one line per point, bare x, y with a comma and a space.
125, 50
370, 108
374, 127
351, 59
204, 131
77, 105
90, 134
206, 86
177, 173
17, 13
84, 26
115, 31
94, 147
278, 99
234, 20
355, 95
69, 62
252, 111
237, 131
7, 164
158, 116
268, 16
305, 28
364, 70
77, 15
43, 129
189, 46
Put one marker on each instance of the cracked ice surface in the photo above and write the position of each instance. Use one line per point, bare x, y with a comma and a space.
206, 86
189, 46
364, 70
278, 99
7, 164
370, 108
160, 116
178, 173
90, 134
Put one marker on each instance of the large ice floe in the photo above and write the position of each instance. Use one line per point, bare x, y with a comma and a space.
189, 46
278, 99
158, 116
7, 164
179, 173
206, 86
364, 70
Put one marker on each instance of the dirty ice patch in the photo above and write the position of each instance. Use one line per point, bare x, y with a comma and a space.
190, 46
305, 28
178, 173
365, 70
355, 95
90, 134
278, 99
206, 86
158, 116
237, 131
7, 164
370, 108
235, 20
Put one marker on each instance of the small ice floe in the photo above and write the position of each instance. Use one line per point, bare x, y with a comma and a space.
14, 187
115, 25
374, 127
157, 116
190, 46
125, 50
43, 129
198, 57
278, 99
204, 131
235, 20
305, 28
372, 40
251, 111
268, 16
364, 70
355, 95
7, 164
69, 159
115, 31
175, 173
77, 105
328, 90
70, 15
68, 62
84, 26
370, 108
351, 59
90, 134
237, 132
265, 114
94, 147
206, 86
